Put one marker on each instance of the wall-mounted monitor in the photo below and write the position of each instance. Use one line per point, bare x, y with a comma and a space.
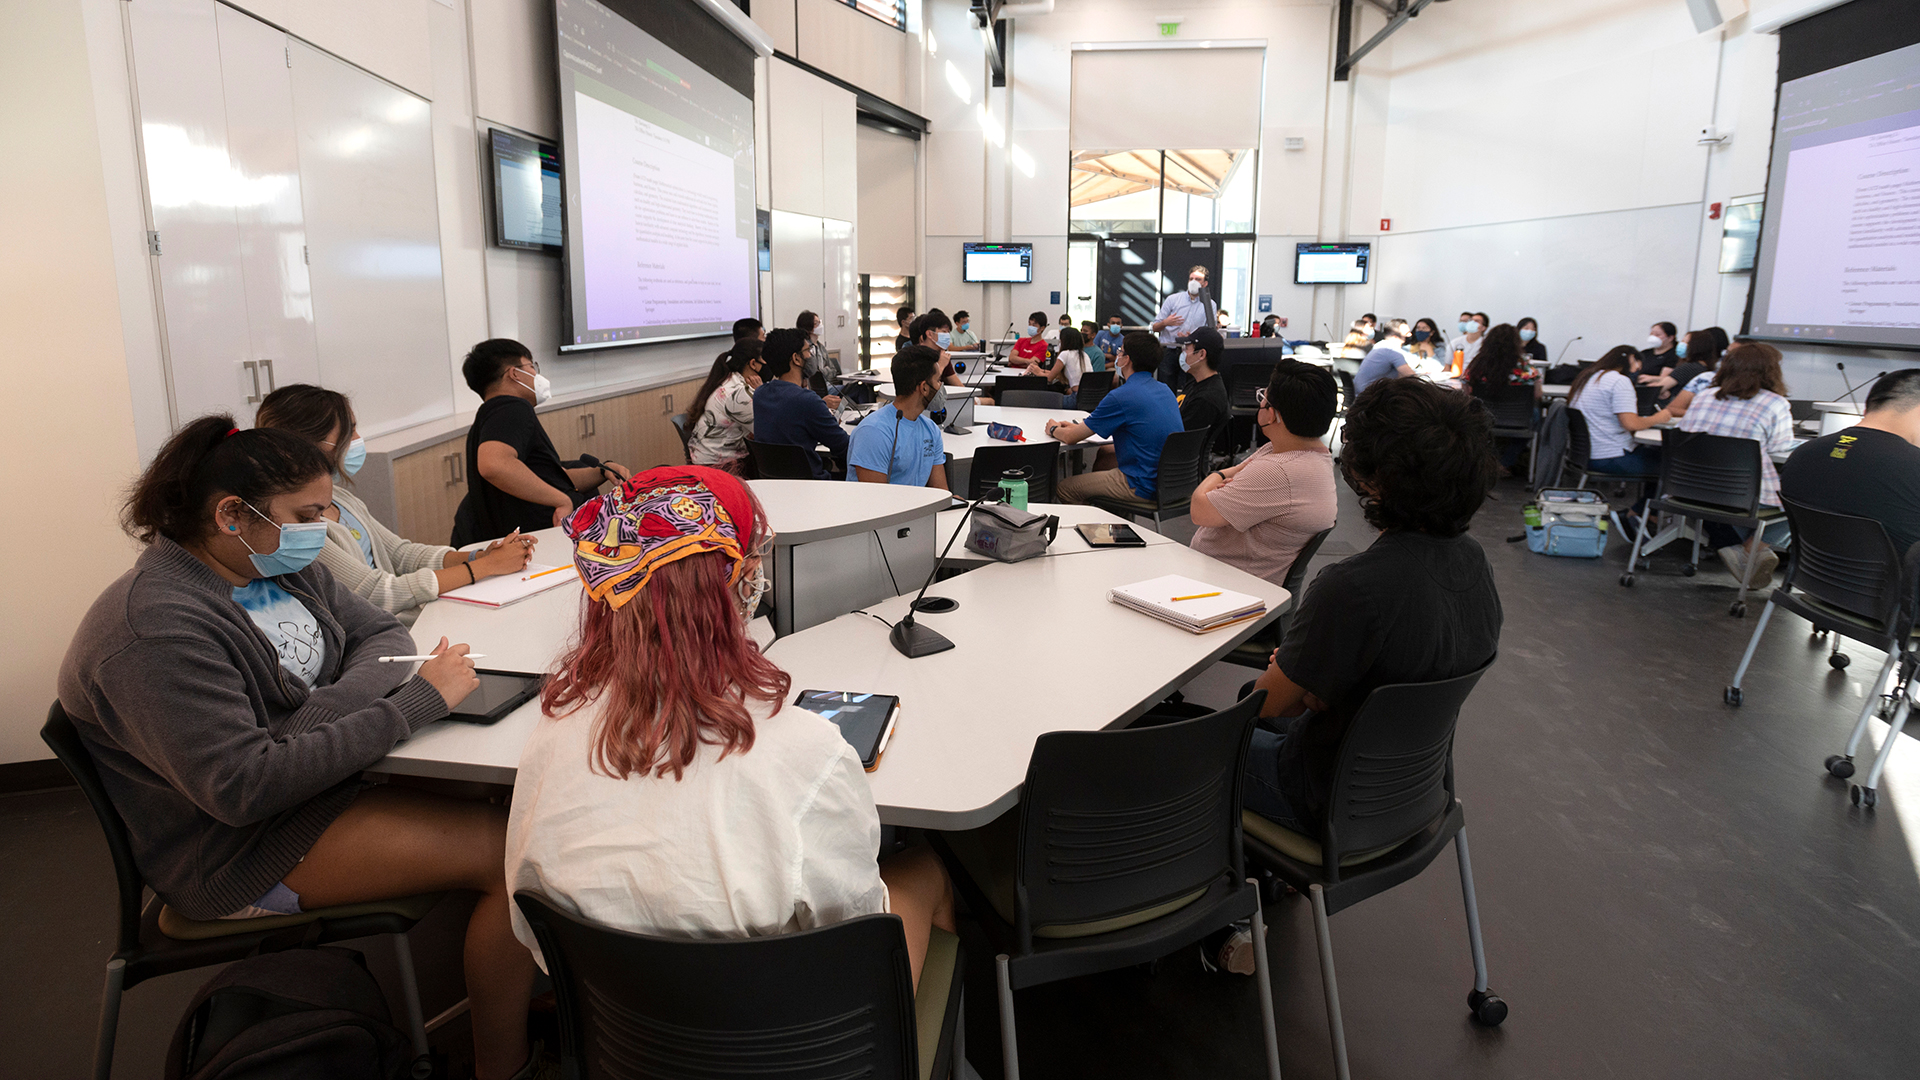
1740, 233
997, 262
1331, 264
526, 193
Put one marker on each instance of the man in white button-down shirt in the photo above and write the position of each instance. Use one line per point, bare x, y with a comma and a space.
1181, 314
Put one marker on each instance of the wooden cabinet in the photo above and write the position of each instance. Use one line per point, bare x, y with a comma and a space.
427, 488
650, 420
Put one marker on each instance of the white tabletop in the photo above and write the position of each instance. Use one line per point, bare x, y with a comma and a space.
802, 511
1556, 389
1032, 423
1066, 542
962, 747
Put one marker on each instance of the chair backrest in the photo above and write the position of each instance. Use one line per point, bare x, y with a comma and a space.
1244, 378
1848, 562
1028, 399
1004, 383
832, 1002
1094, 386
1034, 463
1347, 392
1395, 775
779, 461
1297, 572
1579, 439
680, 429
1719, 470
1511, 405
1115, 822
64, 739
1183, 462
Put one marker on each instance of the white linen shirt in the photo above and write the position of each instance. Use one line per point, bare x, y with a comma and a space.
781, 838
1192, 311
1603, 399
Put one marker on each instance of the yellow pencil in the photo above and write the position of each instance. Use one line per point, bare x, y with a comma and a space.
557, 569
1195, 596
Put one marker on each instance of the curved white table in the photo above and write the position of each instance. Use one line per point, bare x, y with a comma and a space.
1066, 542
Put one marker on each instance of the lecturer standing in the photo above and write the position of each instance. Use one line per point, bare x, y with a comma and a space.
1181, 314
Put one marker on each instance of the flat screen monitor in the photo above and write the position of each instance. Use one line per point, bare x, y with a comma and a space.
997, 262
526, 193
1740, 234
1331, 264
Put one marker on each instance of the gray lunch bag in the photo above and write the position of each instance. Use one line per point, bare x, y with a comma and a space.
998, 531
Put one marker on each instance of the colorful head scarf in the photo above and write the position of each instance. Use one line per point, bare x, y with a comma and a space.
659, 516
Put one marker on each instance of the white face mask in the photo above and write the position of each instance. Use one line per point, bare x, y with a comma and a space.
751, 589
1654, 341
542, 388
1193, 287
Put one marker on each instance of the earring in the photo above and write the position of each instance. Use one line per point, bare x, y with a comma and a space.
233, 528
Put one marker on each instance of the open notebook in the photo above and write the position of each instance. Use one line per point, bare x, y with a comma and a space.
1206, 607
508, 588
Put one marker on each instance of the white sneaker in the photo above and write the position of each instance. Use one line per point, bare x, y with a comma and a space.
1731, 556
1763, 573
1235, 953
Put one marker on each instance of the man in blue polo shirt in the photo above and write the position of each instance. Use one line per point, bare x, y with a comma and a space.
1139, 413
897, 443
786, 412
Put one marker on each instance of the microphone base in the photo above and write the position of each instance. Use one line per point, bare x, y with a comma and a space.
912, 640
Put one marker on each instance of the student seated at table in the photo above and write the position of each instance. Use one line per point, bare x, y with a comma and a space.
1427, 348
366, 557
902, 317
668, 790
1473, 331
964, 338
1500, 363
1139, 413
1697, 354
1109, 339
720, 420
227, 689
1033, 345
1205, 405
1418, 605
785, 412
517, 478
744, 329
1063, 371
1258, 514
1387, 360
1604, 395
898, 443
1748, 400
1096, 356
1871, 469
1530, 343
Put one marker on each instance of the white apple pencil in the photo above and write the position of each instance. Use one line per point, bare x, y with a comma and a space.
411, 659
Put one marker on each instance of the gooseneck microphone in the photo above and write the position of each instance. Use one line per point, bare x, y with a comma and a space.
1569, 345
1852, 386
908, 637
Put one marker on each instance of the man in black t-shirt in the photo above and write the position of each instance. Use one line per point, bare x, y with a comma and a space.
1417, 606
1871, 469
1206, 404
516, 479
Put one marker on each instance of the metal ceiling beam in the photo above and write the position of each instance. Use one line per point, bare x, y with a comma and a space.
986, 16
1397, 16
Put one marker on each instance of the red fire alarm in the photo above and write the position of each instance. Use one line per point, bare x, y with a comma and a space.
1713, 212
1386, 224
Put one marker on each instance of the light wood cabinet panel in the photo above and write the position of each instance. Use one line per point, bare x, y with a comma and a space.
427, 488
604, 430
563, 427
651, 418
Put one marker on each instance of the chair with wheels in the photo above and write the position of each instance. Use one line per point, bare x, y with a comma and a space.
780, 461
1182, 464
1258, 649
1846, 577
1707, 477
1004, 383
1390, 813
155, 940
1345, 370
680, 429
1579, 455
1512, 408
1033, 463
1094, 386
1244, 380
1124, 847
834, 1001
1028, 399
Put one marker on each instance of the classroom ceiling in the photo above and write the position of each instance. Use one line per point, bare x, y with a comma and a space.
1099, 176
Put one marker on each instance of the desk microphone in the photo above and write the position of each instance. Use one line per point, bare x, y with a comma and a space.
1569, 345
909, 638
1851, 387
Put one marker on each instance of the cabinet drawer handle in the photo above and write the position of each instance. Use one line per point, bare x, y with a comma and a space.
253, 369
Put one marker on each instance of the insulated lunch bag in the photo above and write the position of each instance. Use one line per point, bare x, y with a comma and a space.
1001, 532
1568, 522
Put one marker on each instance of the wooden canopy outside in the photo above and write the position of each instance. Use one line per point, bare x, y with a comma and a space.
1098, 176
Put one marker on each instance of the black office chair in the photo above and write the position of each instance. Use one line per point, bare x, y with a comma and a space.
780, 461
1256, 651
1707, 478
835, 1001
1392, 810
1182, 464
1345, 371
1245, 379
1579, 455
1033, 463
1004, 383
1094, 385
680, 429
1029, 399
1512, 408
1845, 576
155, 940
1125, 846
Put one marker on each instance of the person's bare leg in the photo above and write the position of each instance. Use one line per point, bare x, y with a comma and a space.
397, 842
919, 891
1106, 458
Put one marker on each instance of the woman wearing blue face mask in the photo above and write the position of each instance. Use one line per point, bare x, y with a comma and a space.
230, 693
364, 555
1530, 345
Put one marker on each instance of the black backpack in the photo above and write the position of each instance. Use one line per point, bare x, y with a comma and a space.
302, 1014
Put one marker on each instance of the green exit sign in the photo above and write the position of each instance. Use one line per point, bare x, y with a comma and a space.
1169, 29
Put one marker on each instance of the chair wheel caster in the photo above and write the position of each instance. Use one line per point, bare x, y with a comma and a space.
1488, 1010
1817, 635
1626, 580
1689, 570
1737, 609
1839, 766
1839, 661
1732, 696
1863, 796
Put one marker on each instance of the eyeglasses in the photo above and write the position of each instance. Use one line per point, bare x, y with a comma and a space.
530, 365
1260, 398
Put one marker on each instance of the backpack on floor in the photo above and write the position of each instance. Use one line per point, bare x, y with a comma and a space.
1567, 522
301, 1014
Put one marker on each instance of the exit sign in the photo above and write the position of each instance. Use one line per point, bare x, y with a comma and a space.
1169, 29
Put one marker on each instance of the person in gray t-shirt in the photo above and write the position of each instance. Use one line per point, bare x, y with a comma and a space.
1388, 360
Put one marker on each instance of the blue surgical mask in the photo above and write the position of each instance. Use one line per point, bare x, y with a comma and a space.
1422, 335
944, 338
1468, 326
356, 456
1033, 331
1526, 335
300, 544
1113, 328
1680, 349
963, 327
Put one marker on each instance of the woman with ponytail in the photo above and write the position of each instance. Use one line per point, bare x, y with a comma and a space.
230, 692
720, 420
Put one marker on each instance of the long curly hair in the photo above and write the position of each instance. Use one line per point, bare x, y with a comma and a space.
1419, 455
671, 669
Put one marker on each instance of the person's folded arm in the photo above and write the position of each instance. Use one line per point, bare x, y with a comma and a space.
1072, 432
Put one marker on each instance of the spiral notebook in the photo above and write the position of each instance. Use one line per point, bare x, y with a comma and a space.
1193, 606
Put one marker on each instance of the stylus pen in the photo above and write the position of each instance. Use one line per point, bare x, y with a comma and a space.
412, 659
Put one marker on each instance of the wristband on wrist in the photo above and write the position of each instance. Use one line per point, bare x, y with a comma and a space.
471, 580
